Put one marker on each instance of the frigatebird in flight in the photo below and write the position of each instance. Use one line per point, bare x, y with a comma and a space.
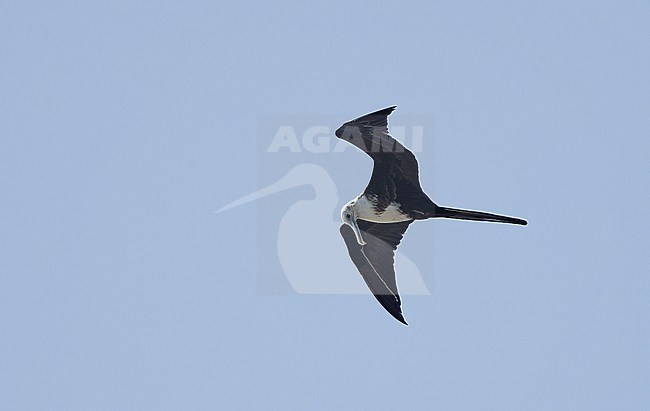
376, 220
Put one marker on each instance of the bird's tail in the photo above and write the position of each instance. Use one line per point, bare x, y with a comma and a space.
458, 214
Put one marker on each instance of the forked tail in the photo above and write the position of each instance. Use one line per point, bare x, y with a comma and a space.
458, 214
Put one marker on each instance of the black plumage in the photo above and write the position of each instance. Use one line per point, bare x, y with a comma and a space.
394, 183
395, 175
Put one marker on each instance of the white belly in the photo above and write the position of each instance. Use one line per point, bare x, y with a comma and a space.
364, 210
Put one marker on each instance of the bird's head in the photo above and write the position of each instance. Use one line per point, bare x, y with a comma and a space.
349, 217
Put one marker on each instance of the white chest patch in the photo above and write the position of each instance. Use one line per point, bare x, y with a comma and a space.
364, 209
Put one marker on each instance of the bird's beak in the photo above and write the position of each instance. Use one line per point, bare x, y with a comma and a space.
357, 231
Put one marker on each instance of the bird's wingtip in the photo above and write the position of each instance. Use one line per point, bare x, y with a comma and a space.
388, 110
382, 112
399, 317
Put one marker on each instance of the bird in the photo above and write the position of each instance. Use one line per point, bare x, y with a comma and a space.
375, 221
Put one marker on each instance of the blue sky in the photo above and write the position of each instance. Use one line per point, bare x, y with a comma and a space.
124, 126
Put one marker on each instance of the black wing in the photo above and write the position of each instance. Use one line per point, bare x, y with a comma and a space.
375, 260
392, 160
